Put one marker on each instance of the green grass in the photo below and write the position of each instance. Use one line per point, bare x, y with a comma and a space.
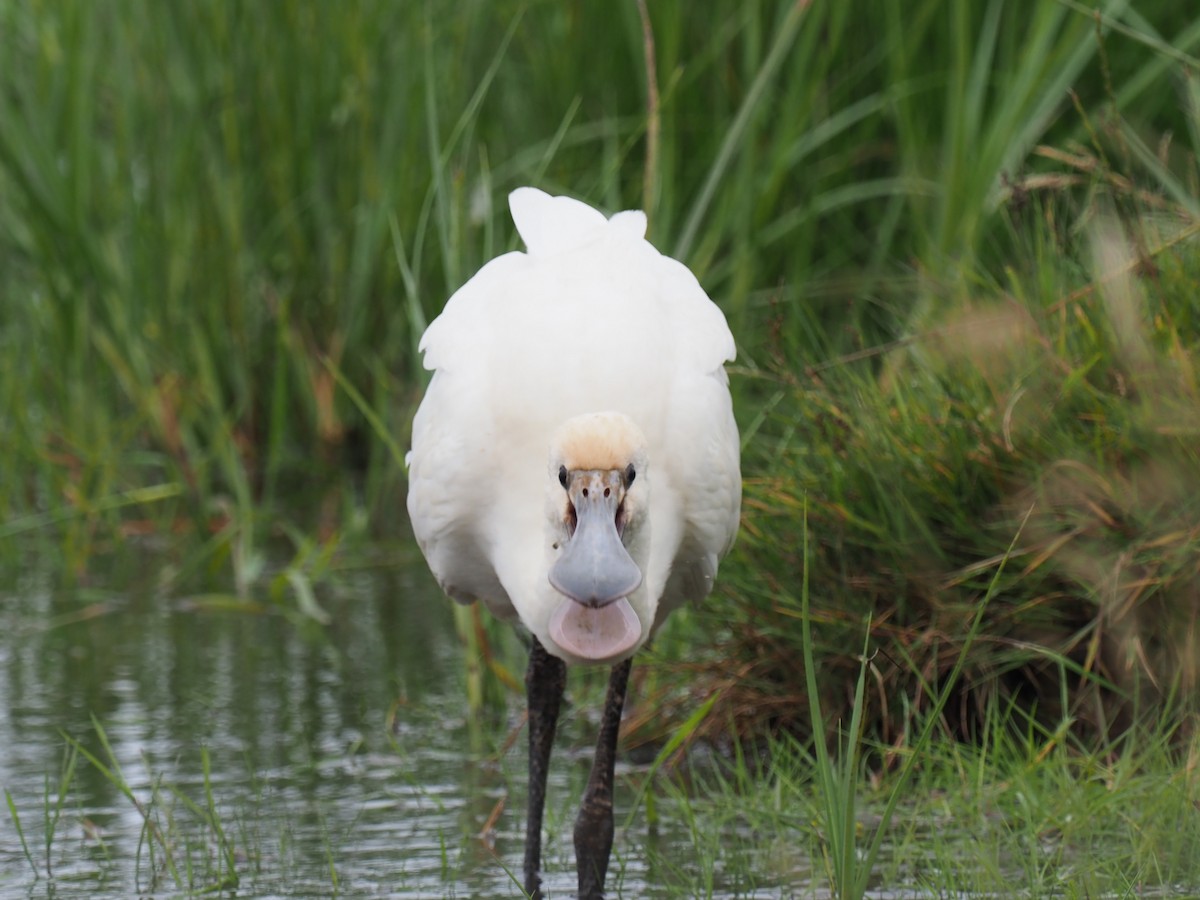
203, 232
1070, 405
1021, 812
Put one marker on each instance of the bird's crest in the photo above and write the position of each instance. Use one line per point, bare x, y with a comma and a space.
556, 224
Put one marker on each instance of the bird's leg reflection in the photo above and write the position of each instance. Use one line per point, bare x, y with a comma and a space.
545, 679
594, 825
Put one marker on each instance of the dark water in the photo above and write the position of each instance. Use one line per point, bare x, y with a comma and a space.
340, 758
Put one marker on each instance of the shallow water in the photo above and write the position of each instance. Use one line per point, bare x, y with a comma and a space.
340, 758
341, 761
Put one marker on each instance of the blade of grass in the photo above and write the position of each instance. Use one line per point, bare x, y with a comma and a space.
16, 820
786, 35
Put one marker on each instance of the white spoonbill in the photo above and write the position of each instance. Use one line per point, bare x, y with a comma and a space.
574, 465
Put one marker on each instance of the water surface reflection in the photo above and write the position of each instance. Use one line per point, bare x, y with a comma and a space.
312, 793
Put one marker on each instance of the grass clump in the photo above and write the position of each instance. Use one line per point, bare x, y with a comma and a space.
1071, 407
1021, 811
1027, 808
1037, 377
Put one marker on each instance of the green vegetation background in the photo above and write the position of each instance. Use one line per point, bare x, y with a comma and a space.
956, 241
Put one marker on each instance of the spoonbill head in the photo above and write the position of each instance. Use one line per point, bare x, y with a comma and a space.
575, 464
599, 516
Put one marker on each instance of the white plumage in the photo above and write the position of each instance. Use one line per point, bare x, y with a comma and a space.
592, 318
574, 465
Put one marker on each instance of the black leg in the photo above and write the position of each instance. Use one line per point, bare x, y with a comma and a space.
544, 682
594, 825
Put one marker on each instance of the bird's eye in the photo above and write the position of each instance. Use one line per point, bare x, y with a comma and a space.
562, 475
630, 474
